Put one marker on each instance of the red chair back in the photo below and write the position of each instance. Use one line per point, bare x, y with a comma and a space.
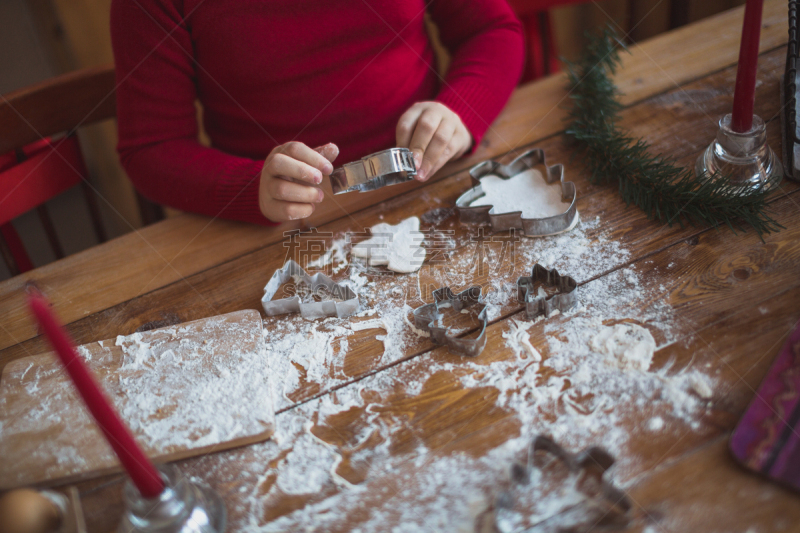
40, 156
42, 170
29, 177
542, 53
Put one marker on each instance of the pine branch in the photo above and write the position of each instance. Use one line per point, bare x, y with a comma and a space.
656, 184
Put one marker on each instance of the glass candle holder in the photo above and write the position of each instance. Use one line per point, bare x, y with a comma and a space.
183, 507
744, 160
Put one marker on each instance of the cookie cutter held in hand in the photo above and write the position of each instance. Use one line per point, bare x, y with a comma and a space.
536, 306
347, 305
389, 167
426, 316
531, 227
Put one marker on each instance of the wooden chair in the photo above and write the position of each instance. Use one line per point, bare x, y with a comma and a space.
40, 156
541, 50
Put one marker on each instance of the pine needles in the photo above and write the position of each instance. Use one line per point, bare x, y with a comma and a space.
661, 189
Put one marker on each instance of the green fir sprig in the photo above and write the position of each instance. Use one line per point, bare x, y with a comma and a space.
656, 184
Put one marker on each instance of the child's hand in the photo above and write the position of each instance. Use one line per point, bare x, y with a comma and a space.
287, 189
435, 135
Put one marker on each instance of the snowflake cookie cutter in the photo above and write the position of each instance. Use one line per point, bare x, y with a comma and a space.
531, 227
536, 305
426, 316
346, 305
388, 167
611, 506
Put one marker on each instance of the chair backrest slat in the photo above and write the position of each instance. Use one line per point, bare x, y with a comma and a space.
38, 161
50, 231
47, 173
58, 105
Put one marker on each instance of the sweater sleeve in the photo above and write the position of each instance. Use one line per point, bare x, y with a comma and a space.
157, 119
486, 42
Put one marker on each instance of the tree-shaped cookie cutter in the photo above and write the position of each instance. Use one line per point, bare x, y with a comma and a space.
611, 506
343, 304
536, 306
426, 317
388, 167
531, 227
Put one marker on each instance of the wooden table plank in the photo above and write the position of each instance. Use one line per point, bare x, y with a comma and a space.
446, 418
238, 284
193, 244
708, 491
732, 300
449, 419
127, 267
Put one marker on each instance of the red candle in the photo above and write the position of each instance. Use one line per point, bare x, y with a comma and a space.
744, 95
139, 467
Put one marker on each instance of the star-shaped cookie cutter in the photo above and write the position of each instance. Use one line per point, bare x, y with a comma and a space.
344, 302
611, 506
426, 316
535, 305
531, 227
388, 167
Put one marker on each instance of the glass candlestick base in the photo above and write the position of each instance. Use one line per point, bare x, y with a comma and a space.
743, 160
183, 507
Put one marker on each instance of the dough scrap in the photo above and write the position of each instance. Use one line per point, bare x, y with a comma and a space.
397, 247
625, 345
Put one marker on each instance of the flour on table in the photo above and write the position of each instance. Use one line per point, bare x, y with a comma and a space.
336, 255
518, 339
591, 384
700, 386
655, 424
195, 385
373, 323
626, 345
527, 192
398, 247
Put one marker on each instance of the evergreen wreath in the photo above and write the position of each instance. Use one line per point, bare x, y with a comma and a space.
661, 189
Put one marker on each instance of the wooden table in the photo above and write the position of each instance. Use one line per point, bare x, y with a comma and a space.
731, 299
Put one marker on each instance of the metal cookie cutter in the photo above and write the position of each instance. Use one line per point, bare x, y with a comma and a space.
426, 316
536, 306
389, 167
609, 506
346, 306
531, 227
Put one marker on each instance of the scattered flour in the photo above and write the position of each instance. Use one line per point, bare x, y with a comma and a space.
500, 295
336, 255
191, 386
571, 376
700, 386
655, 424
626, 345
518, 339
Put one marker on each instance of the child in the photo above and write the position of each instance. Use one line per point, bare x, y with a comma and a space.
279, 77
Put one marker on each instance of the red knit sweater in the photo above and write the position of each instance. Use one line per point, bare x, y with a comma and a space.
269, 72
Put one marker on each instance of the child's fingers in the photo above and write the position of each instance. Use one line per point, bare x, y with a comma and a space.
452, 152
462, 140
329, 151
438, 148
304, 154
405, 126
280, 211
426, 127
285, 165
283, 189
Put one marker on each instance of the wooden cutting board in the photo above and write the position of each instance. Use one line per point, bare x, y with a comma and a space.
184, 390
